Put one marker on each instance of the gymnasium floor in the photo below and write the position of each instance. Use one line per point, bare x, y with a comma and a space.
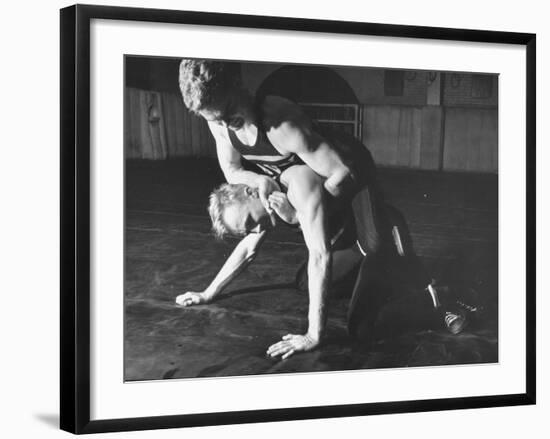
169, 250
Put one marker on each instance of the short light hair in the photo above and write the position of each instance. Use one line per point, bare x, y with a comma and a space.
204, 82
220, 199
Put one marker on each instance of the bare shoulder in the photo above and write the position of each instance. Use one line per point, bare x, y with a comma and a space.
279, 113
303, 184
219, 132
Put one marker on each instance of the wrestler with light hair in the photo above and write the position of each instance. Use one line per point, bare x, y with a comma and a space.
236, 209
316, 165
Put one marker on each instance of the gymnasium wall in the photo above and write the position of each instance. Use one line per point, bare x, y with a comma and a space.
158, 126
432, 137
440, 122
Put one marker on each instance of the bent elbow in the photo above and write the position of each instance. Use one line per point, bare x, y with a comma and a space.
231, 176
231, 171
339, 182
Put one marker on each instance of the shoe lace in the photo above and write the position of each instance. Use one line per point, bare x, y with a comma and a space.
469, 308
450, 318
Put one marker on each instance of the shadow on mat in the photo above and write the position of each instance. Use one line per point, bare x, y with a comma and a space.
258, 288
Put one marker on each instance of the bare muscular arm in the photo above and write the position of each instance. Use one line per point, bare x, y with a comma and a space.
243, 254
293, 132
305, 192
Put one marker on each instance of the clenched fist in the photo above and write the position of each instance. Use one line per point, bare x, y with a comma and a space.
266, 186
279, 203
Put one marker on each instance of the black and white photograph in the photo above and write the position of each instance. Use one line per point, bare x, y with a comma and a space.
303, 218
275, 219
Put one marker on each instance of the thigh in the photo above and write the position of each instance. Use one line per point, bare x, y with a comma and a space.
371, 221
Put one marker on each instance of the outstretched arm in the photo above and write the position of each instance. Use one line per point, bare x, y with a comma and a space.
243, 254
307, 195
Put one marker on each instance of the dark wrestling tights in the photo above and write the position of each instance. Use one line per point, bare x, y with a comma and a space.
374, 237
371, 290
380, 276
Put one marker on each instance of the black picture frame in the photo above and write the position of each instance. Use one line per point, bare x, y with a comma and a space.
75, 217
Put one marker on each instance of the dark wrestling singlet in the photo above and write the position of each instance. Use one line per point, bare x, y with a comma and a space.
264, 155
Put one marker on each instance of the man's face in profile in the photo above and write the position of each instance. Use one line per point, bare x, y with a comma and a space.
247, 214
229, 113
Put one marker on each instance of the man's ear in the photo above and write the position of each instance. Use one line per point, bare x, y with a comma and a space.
252, 192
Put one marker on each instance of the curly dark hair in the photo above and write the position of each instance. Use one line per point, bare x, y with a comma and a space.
203, 82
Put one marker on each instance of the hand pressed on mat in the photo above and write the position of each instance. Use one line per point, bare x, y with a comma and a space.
192, 298
292, 343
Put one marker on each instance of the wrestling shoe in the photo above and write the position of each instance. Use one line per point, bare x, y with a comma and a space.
455, 322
